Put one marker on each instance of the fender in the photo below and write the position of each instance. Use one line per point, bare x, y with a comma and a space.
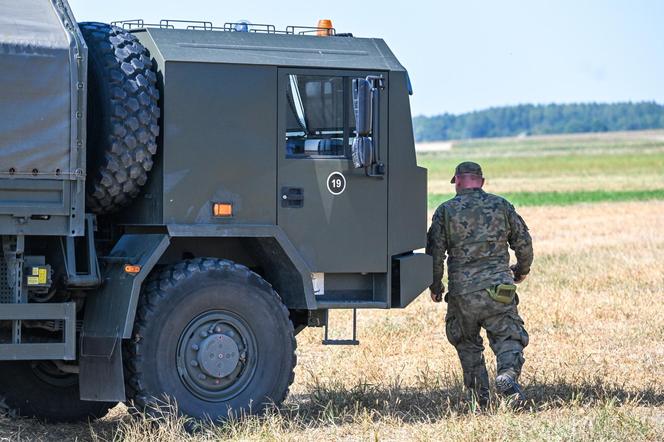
109, 315
110, 312
256, 231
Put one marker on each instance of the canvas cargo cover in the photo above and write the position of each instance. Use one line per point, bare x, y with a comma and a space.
41, 94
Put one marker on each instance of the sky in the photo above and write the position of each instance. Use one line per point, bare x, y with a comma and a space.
473, 54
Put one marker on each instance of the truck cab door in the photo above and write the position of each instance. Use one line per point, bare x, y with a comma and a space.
333, 213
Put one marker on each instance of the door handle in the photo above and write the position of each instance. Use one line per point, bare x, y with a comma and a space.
292, 197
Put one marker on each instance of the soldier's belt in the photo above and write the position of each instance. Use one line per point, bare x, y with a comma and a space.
502, 293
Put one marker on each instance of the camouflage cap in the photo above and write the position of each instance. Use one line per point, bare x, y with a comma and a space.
467, 167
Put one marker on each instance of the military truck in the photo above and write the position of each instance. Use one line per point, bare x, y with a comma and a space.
179, 200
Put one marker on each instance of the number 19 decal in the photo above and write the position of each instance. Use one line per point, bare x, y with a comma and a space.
336, 183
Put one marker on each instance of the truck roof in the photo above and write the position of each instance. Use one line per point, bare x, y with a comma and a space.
307, 51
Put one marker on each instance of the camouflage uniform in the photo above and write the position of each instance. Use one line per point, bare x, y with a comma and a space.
475, 229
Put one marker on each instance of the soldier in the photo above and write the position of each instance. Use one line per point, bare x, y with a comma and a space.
475, 229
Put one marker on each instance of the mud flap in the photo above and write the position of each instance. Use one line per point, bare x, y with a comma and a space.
100, 369
110, 312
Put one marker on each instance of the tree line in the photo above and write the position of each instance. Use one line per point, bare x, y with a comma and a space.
540, 119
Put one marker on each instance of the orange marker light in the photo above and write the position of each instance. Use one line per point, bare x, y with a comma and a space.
324, 27
132, 269
222, 209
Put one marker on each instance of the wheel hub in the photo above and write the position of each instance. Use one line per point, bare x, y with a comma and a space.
218, 355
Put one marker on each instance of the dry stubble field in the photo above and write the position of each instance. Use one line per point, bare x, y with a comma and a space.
593, 306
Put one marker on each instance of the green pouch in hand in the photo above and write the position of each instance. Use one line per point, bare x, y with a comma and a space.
503, 293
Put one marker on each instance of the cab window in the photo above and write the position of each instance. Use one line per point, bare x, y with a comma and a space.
316, 116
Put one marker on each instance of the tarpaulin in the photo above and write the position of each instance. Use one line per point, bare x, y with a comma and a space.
36, 90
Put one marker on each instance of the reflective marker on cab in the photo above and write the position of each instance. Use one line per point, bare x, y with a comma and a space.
222, 209
132, 269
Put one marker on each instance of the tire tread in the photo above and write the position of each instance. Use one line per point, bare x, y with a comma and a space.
156, 292
124, 157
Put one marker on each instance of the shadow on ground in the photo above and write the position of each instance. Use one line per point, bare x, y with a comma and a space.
333, 404
430, 404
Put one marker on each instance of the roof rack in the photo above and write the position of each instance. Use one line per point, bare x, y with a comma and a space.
303, 30
138, 23
191, 24
203, 25
251, 27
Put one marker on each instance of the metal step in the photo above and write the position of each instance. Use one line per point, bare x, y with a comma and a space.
83, 280
353, 341
336, 304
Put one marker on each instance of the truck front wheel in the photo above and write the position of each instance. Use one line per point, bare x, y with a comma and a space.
211, 337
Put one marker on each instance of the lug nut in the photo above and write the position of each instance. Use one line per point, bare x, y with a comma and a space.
204, 334
194, 347
217, 329
202, 377
194, 363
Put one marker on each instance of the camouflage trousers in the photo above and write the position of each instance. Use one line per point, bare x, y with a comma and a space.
466, 315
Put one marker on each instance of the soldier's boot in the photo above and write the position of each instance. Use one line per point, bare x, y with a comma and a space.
509, 369
507, 386
480, 396
476, 378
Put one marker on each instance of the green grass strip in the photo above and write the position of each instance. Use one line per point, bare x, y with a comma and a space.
564, 198
441, 166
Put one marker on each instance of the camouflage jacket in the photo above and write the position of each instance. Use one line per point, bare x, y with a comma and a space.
474, 230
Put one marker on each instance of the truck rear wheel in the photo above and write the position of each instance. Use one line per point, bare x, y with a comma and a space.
38, 389
123, 113
212, 337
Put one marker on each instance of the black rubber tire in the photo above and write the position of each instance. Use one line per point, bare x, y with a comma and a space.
170, 302
123, 116
25, 394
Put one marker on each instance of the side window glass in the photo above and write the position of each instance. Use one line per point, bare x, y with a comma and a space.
315, 118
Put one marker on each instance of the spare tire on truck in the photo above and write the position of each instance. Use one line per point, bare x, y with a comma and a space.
123, 114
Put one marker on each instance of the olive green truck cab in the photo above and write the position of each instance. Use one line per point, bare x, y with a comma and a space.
179, 200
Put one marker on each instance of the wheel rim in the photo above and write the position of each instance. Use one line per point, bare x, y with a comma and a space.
216, 355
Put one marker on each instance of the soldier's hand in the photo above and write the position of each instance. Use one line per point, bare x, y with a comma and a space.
518, 277
436, 297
